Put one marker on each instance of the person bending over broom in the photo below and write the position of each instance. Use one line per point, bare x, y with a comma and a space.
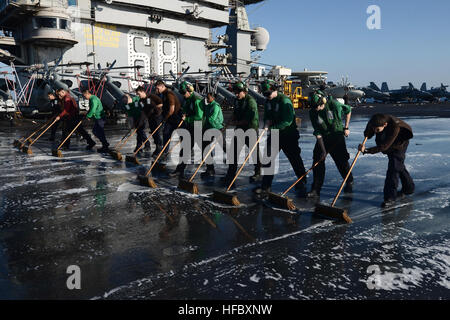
392, 139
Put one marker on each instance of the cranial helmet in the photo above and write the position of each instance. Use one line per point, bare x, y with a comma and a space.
268, 86
239, 86
186, 86
317, 98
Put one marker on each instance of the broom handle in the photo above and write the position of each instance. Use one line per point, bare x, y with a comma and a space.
42, 133
142, 145
43, 126
76, 127
348, 175
118, 143
248, 157
128, 138
306, 173
160, 154
179, 141
203, 161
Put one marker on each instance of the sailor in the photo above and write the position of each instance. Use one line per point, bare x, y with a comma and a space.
212, 119
245, 117
279, 115
55, 106
171, 112
151, 106
134, 110
326, 115
193, 114
96, 111
392, 139
70, 115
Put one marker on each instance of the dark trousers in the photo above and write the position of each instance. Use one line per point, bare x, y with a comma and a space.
99, 131
206, 146
69, 125
169, 127
232, 168
190, 128
289, 144
140, 134
53, 131
153, 123
336, 147
397, 170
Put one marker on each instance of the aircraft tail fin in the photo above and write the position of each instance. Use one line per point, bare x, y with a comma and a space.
384, 87
411, 86
423, 87
374, 86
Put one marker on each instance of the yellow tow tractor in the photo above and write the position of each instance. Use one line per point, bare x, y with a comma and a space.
298, 100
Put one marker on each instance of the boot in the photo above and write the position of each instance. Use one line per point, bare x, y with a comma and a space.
209, 173
348, 187
388, 203
90, 145
256, 177
262, 190
301, 189
179, 171
103, 149
157, 151
313, 194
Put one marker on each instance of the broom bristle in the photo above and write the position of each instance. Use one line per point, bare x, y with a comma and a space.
224, 197
188, 186
147, 181
235, 201
281, 201
333, 212
132, 160
291, 205
116, 155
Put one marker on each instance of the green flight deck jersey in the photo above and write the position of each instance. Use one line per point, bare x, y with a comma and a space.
192, 109
95, 108
328, 122
133, 109
280, 112
213, 116
247, 109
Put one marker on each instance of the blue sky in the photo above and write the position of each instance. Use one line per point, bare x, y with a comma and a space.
330, 35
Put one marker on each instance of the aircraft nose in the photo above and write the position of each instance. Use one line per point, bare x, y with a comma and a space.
356, 94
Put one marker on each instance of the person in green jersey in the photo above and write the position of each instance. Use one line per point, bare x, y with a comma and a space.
98, 114
212, 119
245, 117
279, 115
326, 115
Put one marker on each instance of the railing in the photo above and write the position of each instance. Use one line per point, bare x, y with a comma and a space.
41, 3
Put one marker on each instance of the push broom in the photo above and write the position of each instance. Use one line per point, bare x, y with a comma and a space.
190, 186
147, 180
332, 211
20, 143
116, 152
133, 158
284, 201
57, 152
226, 197
27, 149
